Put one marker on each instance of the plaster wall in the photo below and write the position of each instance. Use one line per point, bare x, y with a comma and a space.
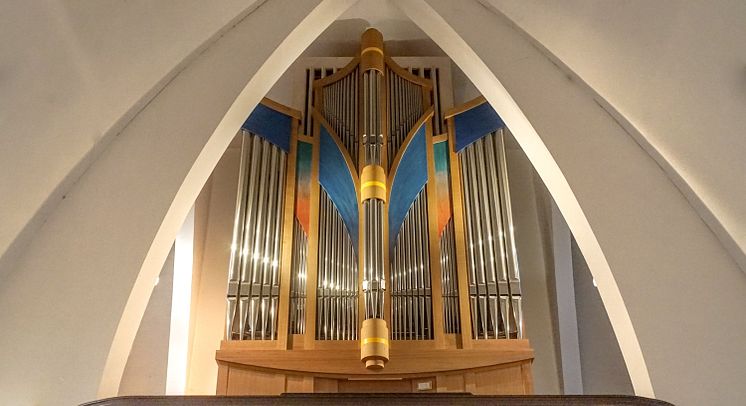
73, 74
209, 310
687, 61
536, 285
145, 372
108, 239
653, 240
602, 365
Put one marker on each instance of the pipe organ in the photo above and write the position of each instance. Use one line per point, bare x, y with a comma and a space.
371, 253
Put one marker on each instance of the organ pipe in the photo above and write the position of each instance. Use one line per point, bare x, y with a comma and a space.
452, 322
405, 108
411, 292
336, 295
298, 278
370, 107
494, 286
374, 349
253, 289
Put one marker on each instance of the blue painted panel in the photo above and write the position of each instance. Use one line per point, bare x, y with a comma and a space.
271, 125
409, 179
474, 124
335, 178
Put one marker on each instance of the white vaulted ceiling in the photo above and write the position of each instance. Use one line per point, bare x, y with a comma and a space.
676, 71
72, 75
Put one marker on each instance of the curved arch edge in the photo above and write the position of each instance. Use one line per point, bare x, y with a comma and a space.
311, 26
436, 27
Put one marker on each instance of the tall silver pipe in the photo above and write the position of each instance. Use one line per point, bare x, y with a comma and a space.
470, 248
425, 269
374, 284
498, 243
246, 247
491, 245
337, 272
297, 290
256, 241
234, 266
333, 279
343, 292
273, 285
418, 305
510, 247
254, 252
410, 280
478, 241
488, 232
266, 246
321, 267
450, 281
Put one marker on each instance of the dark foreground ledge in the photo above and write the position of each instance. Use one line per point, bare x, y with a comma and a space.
308, 399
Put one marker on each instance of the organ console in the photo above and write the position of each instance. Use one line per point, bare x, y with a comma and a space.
373, 255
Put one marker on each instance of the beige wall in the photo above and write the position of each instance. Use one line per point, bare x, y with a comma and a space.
534, 260
145, 373
603, 368
85, 70
215, 208
108, 239
645, 244
680, 88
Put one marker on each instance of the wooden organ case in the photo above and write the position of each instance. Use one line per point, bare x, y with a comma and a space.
373, 255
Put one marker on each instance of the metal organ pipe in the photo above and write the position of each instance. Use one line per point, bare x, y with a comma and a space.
298, 280
234, 267
494, 286
253, 288
411, 284
374, 349
452, 323
336, 318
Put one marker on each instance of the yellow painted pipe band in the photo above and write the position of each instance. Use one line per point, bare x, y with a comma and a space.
372, 49
373, 183
377, 340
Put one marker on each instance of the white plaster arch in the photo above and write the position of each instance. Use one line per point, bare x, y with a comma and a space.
97, 254
647, 246
439, 30
482, 77
257, 87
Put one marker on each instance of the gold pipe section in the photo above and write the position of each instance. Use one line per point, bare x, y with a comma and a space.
374, 344
373, 183
371, 51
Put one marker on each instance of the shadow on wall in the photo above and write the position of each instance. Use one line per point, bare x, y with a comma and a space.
602, 365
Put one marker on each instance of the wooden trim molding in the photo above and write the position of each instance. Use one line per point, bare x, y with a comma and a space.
325, 81
464, 107
425, 83
440, 138
288, 220
434, 239
281, 108
460, 240
404, 362
312, 259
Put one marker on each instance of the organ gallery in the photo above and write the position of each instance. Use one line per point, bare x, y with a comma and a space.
373, 246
